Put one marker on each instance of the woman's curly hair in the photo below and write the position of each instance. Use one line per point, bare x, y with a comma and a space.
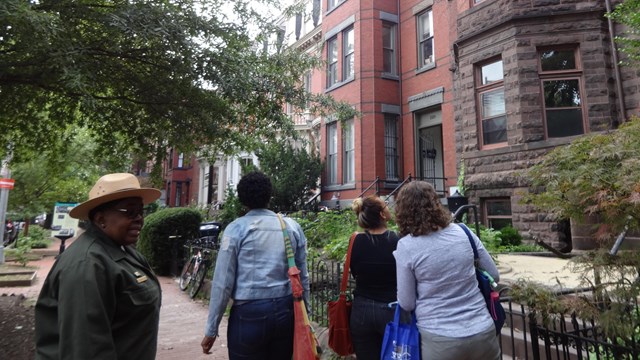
254, 190
368, 211
419, 210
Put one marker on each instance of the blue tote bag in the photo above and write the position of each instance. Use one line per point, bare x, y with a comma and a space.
401, 340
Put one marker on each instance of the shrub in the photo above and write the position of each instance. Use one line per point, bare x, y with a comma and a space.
231, 209
328, 226
509, 236
155, 244
522, 248
38, 238
489, 237
21, 253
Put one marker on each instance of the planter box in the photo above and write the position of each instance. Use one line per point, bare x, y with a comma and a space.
17, 278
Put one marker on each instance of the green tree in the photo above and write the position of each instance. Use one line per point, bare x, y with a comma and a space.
628, 13
231, 209
65, 172
293, 172
596, 174
142, 75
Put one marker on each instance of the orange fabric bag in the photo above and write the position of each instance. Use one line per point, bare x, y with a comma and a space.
340, 312
305, 344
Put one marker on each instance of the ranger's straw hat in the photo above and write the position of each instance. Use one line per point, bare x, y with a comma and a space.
113, 187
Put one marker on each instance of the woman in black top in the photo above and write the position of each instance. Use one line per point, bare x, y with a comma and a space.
374, 269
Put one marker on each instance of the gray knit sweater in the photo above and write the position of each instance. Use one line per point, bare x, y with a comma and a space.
436, 278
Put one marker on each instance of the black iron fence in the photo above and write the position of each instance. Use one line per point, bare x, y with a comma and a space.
568, 337
324, 284
524, 336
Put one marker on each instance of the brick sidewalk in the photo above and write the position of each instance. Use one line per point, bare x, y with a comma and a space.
182, 322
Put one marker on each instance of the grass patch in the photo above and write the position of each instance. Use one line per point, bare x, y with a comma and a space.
15, 268
17, 278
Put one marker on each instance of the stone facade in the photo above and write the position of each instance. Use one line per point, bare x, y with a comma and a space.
515, 31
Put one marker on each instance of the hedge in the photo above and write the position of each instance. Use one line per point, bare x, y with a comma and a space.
155, 242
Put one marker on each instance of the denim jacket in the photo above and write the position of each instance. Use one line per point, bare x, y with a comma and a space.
252, 263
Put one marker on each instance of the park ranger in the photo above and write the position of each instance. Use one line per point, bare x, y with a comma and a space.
101, 300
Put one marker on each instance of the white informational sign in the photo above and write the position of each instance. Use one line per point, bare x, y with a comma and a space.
62, 222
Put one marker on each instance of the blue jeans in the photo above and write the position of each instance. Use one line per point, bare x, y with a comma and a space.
261, 329
368, 321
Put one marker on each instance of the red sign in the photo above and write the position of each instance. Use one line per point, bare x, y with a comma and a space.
7, 183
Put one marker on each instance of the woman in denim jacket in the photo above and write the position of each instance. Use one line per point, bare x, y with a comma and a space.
251, 269
374, 268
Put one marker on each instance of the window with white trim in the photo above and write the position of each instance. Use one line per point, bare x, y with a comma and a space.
491, 104
425, 39
333, 3
178, 194
181, 160
204, 170
349, 157
348, 58
332, 61
389, 59
332, 153
498, 212
307, 82
184, 160
561, 78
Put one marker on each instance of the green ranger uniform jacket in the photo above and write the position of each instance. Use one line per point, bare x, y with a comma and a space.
99, 301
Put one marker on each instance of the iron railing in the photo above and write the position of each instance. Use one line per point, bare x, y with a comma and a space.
313, 203
324, 284
408, 179
569, 337
375, 183
525, 336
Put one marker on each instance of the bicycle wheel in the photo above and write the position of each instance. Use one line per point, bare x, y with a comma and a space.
198, 279
187, 273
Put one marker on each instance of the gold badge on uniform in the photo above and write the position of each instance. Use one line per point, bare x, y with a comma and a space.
140, 278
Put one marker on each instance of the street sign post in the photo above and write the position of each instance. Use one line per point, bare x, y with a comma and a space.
7, 183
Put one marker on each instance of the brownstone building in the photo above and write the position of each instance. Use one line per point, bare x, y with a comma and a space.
530, 76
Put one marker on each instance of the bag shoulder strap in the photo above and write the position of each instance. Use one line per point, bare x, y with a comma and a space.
476, 260
287, 243
473, 243
347, 264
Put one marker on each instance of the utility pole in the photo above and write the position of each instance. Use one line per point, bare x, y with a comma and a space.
5, 173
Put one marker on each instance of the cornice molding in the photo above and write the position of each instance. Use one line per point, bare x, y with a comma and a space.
310, 39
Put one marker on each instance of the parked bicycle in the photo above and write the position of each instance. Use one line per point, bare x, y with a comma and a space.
195, 269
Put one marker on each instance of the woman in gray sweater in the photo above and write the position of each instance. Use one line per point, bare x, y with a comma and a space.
436, 278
